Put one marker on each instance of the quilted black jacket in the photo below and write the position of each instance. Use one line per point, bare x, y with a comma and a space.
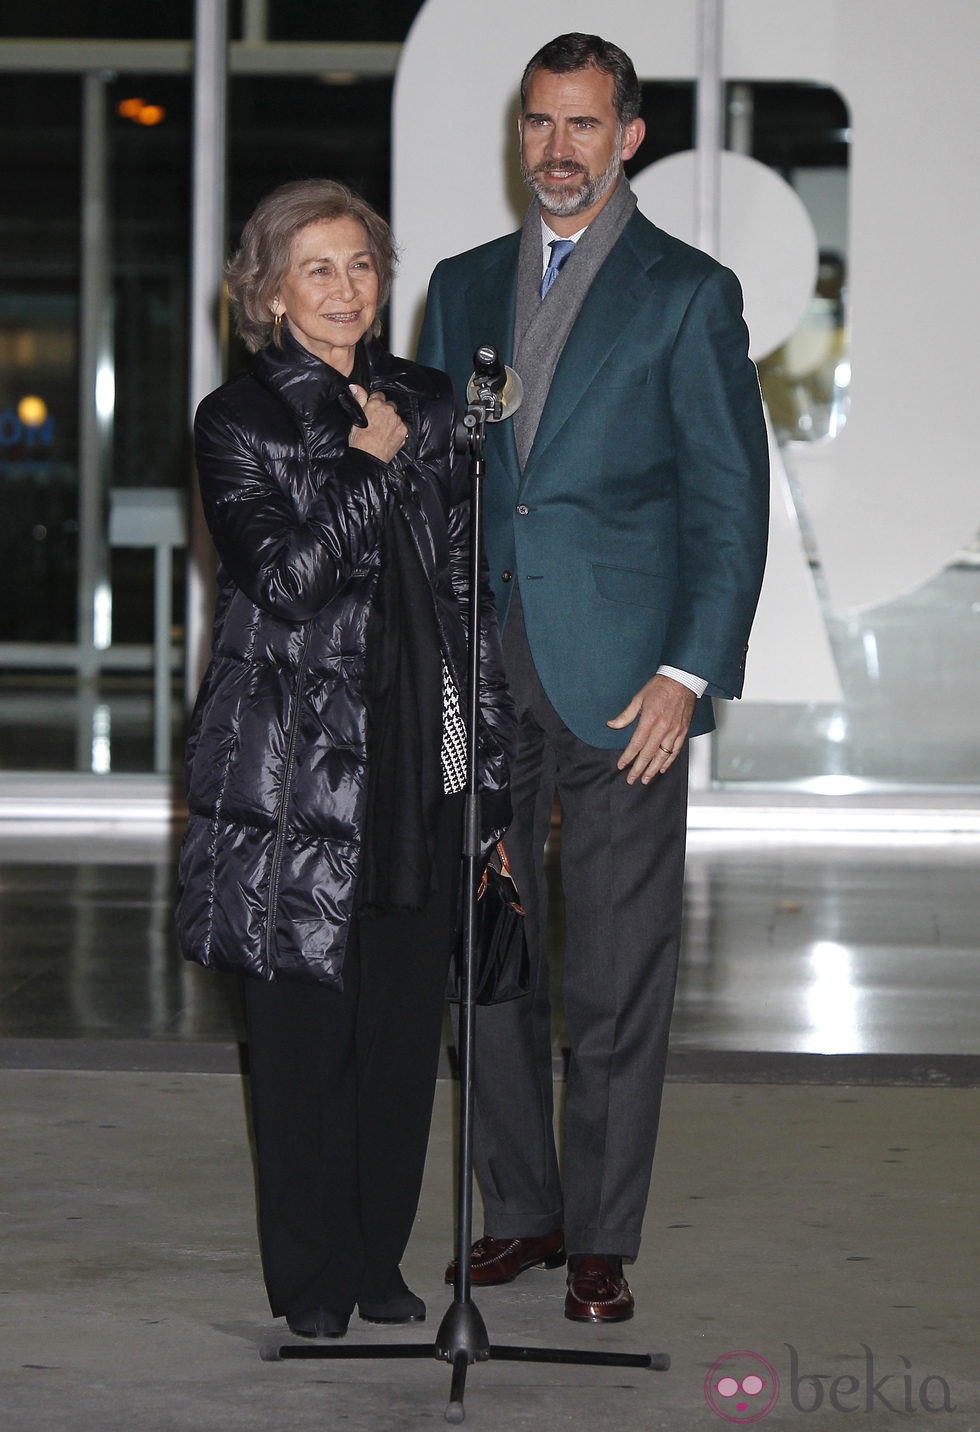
276, 757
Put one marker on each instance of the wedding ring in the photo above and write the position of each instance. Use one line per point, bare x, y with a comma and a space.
666, 750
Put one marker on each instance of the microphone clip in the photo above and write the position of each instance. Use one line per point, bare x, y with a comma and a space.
493, 393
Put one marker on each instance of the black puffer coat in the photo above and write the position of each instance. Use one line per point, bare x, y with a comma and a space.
276, 757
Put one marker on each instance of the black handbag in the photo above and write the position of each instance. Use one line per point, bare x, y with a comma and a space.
501, 963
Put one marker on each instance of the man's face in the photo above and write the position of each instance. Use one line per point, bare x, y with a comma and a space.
572, 144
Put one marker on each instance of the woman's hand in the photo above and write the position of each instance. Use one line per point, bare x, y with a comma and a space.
385, 433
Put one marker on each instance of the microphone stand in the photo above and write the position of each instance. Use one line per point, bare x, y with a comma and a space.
462, 1338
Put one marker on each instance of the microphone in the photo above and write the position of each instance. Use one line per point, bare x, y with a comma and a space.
494, 384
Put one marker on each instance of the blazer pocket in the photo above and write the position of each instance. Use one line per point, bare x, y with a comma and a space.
619, 378
627, 584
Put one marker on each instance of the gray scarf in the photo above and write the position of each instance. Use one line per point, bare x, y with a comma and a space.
541, 327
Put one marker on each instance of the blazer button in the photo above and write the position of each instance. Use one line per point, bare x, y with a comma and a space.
522, 509
506, 576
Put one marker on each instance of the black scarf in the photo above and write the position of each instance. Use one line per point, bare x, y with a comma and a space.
403, 685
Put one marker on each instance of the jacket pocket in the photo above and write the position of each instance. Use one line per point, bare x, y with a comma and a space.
627, 584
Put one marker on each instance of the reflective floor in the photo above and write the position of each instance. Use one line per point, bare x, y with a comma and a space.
847, 947
832, 949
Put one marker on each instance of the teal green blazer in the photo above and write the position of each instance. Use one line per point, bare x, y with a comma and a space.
638, 528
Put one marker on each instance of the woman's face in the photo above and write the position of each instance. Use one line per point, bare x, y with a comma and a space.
330, 292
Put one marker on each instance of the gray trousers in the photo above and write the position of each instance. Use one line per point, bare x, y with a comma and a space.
622, 864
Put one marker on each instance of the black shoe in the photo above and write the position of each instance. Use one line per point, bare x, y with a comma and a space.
389, 1300
318, 1323
403, 1308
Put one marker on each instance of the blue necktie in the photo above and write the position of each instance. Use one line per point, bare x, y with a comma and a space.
560, 249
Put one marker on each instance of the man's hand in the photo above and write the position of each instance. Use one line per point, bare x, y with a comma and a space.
385, 433
662, 710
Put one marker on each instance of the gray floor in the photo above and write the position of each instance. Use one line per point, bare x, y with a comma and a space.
814, 1206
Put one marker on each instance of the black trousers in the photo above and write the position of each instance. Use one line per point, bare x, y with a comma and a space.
342, 1085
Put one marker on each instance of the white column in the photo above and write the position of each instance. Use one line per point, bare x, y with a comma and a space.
255, 21
207, 299
708, 129
96, 381
741, 118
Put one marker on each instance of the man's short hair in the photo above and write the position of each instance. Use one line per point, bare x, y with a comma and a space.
575, 51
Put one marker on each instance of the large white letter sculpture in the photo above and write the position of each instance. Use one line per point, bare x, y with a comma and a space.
895, 494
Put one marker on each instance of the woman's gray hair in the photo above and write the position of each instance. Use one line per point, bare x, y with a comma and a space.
256, 271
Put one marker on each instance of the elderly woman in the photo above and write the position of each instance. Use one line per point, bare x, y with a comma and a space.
326, 757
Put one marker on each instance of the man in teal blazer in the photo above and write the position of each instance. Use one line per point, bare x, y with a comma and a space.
626, 513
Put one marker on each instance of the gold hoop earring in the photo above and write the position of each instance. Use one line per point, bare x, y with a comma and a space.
277, 320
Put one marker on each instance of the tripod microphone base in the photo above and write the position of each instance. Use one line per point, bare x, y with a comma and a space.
462, 1339
462, 1330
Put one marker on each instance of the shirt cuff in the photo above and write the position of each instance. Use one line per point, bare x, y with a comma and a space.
693, 683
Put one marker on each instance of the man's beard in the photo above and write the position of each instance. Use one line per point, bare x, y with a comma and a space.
566, 203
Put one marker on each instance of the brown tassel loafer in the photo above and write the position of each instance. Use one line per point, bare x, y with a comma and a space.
597, 1295
501, 1260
